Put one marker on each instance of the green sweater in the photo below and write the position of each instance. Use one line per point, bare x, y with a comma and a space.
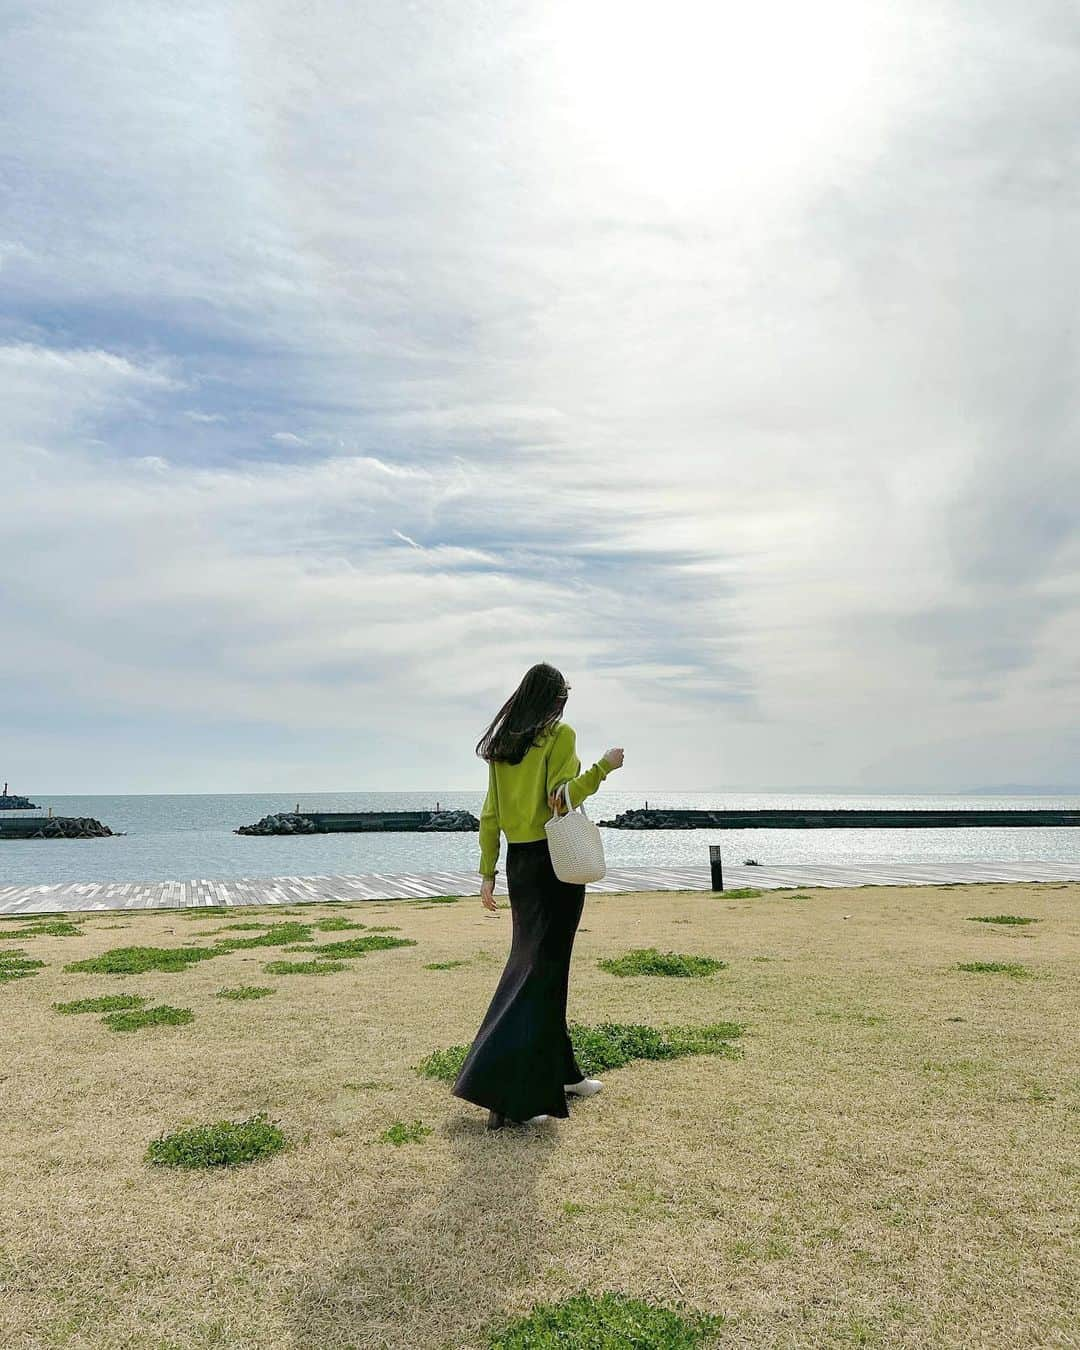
517, 797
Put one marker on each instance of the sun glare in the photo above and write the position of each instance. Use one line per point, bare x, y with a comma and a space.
695, 101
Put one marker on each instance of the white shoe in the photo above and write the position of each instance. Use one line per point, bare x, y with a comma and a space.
585, 1088
535, 1120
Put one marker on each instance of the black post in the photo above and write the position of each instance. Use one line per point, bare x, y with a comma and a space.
716, 867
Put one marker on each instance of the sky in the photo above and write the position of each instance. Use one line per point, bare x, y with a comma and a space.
355, 357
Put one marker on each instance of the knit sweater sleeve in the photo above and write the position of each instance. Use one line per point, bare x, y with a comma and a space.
564, 766
489, 827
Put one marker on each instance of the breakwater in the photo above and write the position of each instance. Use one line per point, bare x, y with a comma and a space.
655, 818
53, 827
360, 822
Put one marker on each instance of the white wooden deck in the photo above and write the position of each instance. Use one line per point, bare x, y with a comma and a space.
112, 895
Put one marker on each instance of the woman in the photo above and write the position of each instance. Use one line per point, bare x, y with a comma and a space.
521, 1064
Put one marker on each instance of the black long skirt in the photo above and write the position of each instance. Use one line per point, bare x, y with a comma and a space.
521, 1057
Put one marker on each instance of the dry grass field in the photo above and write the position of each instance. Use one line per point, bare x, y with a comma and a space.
891, 1160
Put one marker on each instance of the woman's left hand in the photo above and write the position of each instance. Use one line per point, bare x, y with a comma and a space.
487, 894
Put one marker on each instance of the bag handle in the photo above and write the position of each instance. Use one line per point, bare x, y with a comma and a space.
564, 792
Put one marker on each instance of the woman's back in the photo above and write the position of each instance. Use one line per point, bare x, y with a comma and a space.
517, 796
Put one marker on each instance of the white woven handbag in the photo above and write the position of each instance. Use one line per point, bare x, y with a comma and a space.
575, 845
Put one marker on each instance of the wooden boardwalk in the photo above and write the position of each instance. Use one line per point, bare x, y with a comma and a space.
114, 895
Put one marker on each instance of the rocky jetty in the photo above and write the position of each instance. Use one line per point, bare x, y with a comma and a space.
68, 827
287, 822
354, 822
10, 802
649, 820
451, 820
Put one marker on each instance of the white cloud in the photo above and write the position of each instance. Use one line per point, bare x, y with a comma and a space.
775, 455
46, 392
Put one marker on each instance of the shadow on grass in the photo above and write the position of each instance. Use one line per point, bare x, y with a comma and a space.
439, 1271
435, 1270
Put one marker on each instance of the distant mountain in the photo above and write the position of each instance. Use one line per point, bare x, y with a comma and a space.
1023, 790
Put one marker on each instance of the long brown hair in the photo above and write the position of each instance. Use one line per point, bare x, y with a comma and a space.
534, 707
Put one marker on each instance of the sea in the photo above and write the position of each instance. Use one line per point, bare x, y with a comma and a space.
165, 837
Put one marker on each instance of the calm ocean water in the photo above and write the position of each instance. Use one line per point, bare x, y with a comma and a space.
183, 837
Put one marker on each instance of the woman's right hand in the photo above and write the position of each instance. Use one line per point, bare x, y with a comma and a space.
614, 757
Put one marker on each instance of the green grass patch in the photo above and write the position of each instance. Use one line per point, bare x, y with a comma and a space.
162, 1015
610, 1045
336, 923
304, 967
17, 965
223, 1144
245, 991
33, 918
741, 893
1000, 918
384, 928
649, 961
611, 1322
50, 928
444, 965
361, 946
276, 935
102, 1004
402, 1133
444, 1065
995, 967
433, 900
713, 1038
136, 960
